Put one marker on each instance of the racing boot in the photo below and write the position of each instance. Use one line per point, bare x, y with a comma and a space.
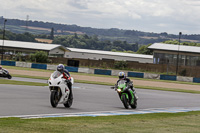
70, 88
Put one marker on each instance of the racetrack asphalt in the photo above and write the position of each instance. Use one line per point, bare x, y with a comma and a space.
32, 100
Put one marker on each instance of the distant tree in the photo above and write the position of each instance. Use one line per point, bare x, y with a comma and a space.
120, 64
25, 37
75, 35
39, 56
164, 34
171, 42
52, 34
144, 50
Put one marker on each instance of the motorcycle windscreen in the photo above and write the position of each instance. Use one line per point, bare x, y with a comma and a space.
56, 74
122, 83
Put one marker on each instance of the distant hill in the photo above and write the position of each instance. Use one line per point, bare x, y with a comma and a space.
130, 36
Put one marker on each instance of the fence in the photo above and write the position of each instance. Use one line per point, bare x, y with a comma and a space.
102, 71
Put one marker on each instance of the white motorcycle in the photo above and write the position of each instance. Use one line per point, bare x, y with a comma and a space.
59, 90
5, 74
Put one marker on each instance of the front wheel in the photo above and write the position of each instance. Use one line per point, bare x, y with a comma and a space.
125, 101
54, 98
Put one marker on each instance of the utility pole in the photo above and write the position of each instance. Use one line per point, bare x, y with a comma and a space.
178, 53
27, 18
5, 20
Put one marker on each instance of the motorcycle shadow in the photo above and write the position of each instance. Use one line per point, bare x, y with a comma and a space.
122, 108
64, 108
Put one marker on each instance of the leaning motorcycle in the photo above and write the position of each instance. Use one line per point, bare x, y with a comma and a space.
4, 73
126, 94
59, 90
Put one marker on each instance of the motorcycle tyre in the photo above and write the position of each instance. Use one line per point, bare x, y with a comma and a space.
134, 106
9, 76
54, 103
125, 101
69, 102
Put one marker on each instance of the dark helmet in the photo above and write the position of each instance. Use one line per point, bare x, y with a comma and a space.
60, 68
122, 75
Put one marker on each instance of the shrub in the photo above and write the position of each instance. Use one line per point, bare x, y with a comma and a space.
120, 65
39, 56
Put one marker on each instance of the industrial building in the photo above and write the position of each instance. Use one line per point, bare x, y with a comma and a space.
168, 53
13, 47
56, 50
99, 55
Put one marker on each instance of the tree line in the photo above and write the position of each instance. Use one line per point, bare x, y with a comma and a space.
92, 42
75, 41
112, 34
89, 42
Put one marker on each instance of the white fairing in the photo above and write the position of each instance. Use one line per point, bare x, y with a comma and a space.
72, 80
57, 81
3, 71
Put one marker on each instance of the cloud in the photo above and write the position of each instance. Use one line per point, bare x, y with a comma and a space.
145, 15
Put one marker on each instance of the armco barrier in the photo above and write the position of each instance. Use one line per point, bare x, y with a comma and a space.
116, 72
184, 79
167, 77
91, 70
196, 80
72, 69
8, 63
23, 64
83, 70
136, 74
39, 66
51, 67
102, 72
151, 76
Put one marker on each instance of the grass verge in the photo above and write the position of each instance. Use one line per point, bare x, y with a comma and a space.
143, 87
89, 82
96, 75
149, 123
14, 82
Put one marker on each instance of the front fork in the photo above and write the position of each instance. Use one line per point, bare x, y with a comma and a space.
129, 95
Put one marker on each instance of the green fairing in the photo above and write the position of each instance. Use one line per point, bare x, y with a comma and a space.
132, 97
122, 86
124, 94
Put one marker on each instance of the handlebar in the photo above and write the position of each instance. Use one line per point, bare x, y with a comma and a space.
112, 87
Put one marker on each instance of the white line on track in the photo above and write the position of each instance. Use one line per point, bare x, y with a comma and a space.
109, 113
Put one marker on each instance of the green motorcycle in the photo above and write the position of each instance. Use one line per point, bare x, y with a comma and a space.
126, 94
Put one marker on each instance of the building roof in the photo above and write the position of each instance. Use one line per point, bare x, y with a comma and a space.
110, 53
29, 45
175, 48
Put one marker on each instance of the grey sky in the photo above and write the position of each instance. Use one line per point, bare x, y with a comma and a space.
171, 16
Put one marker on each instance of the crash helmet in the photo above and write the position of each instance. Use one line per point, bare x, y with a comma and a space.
0, 67
121, 75
60, 68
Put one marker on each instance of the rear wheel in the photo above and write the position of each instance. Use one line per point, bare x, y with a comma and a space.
134, 105
9, 76
69, 102
54, 98
125, 101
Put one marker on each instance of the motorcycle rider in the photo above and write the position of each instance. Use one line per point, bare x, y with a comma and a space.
122, 76
1, 70
66, 75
